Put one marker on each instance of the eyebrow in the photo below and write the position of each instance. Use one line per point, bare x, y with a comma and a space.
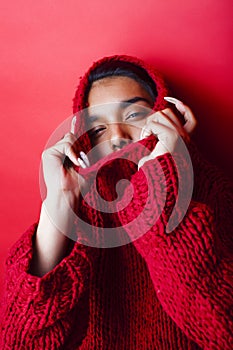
123, 105
134, 100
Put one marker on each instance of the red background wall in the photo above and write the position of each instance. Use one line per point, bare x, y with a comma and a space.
47, 45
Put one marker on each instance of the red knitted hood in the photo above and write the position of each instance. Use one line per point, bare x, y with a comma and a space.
78, 101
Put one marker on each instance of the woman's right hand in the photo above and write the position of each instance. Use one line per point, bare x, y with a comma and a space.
56, 230
61, 179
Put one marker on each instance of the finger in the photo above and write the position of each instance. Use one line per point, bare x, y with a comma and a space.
172, 99
69, 137
176, 122
73, 123
190, 120
167, 138
85, 158
166, 117
168, 112
62, 150
145, 132
68, 151
163, 132
152, 124
82, 163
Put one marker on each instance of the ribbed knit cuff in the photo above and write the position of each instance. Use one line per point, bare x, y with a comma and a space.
43, 300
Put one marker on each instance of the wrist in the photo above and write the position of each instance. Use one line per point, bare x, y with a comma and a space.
58, 213
62, 200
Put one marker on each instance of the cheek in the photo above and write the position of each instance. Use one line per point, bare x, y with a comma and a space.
135, 130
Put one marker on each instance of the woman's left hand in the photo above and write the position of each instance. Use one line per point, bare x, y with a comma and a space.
167, 127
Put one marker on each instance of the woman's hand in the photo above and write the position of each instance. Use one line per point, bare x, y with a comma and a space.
63, 182
190, 120
60, 177
56, 229
167, 127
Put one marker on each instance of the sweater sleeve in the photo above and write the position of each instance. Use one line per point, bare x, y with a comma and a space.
193, 283
32, 304
216, 191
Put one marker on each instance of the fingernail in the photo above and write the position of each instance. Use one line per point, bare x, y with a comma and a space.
83, 165
85, 158
172, 100
179, 104
142, 133
73, 122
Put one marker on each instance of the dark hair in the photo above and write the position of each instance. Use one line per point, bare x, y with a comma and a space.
126, 69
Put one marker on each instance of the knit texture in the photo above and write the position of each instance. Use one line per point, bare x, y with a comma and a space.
161, 291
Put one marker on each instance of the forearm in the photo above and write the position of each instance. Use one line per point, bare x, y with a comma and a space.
35, 297
51, 241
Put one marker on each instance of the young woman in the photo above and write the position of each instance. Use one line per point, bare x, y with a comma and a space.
124, 280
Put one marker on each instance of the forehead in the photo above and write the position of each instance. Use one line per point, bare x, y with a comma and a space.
115, 89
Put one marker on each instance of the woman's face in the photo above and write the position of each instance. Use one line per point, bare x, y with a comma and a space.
118, 109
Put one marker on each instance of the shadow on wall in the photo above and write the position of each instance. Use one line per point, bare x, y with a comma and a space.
211, 107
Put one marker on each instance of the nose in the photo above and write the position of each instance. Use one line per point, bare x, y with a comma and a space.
120, 136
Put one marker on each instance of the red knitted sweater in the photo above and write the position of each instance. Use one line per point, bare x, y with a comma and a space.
160, 291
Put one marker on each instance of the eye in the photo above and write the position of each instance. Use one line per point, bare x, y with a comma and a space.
136, 115
97, 131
